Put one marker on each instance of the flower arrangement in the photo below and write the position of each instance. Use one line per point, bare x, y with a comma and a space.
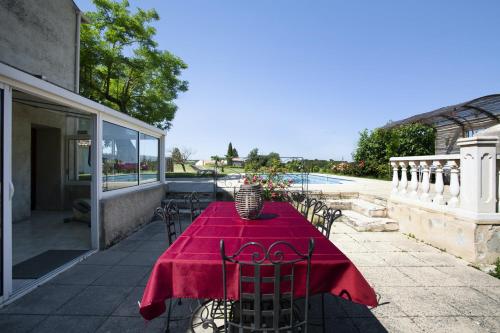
273, 184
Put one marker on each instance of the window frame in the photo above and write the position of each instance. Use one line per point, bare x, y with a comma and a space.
139, 185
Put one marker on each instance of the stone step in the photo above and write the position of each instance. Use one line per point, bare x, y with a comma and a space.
361, 222
360, 206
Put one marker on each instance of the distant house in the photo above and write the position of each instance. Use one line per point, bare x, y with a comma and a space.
76, 175
238, 162
458, 121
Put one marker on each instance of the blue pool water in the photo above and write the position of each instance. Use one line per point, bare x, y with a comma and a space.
314, 179
129, 177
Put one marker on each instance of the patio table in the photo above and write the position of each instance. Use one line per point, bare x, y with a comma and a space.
192, 268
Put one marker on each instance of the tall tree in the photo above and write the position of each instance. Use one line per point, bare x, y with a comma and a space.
229, 154
181, 156
122, 67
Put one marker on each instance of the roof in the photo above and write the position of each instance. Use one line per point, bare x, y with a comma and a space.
32, 85
485, 107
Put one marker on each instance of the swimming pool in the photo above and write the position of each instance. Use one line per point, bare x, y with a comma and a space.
314, 178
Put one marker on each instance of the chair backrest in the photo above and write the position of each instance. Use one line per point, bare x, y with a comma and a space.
297, 198
193, 201
306, 206
317, 211
266, 287
325, 221
169, 214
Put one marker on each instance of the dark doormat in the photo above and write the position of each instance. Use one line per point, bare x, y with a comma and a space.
43, 263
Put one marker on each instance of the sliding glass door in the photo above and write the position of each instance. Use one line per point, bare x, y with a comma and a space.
6, 192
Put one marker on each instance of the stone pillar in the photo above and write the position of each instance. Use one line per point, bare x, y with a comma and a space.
478, 171
439, 184
426, 185
404, 178
395, 178
454, 183
413, 180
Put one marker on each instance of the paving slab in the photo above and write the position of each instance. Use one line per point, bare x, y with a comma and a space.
448, 324
430, 276
467, 301
122, 276
80, 275
400, 324
19, 323
96, 300
73, 324
418, 301
133, 325
386, 277
43, 300
420, 289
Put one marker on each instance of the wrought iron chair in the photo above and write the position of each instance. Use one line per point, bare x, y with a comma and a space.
169, 214
297, 198
325, 221
306, 206
317, 211
266, 288
193, 202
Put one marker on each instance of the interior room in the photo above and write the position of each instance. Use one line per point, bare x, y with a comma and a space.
51, 173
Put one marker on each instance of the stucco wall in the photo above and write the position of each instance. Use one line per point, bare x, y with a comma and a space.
123, 213
39, 37
24, 117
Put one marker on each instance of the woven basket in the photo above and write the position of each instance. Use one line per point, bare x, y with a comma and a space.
249, 201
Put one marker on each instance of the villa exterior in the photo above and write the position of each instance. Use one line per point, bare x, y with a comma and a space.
79, 175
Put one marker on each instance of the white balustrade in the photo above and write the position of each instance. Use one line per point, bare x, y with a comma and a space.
474, 177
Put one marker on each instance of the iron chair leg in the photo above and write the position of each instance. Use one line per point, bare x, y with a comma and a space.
323, 312
167, 329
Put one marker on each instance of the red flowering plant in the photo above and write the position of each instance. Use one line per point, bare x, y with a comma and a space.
274, 184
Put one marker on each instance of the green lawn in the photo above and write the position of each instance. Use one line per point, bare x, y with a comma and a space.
189, 168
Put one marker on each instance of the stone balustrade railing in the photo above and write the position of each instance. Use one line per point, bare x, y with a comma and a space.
473, 177
419, 169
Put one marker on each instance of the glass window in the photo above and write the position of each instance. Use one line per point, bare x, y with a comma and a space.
149, 156
120, 157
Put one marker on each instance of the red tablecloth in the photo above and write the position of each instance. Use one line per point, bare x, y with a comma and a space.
192, 266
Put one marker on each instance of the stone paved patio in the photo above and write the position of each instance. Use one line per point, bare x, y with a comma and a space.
422, 290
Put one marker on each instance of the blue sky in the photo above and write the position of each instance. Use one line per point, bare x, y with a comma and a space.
302, 78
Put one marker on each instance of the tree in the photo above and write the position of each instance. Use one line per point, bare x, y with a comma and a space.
375, 148
229, 154
235, 153
181, 156
122, 67
218, 161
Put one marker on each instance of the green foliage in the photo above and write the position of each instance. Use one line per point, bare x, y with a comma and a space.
256, 162
231, 153
217, 160
496, 271
375, 148
122, 67
181, 156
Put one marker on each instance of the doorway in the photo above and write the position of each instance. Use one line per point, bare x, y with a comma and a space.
51, 220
